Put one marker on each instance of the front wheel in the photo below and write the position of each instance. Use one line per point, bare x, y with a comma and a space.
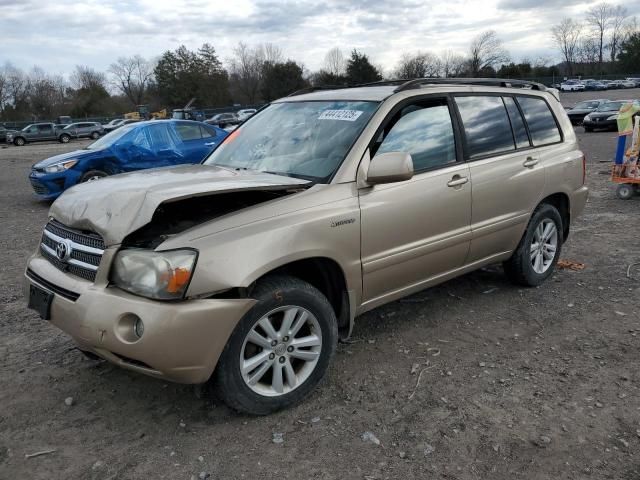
64, 138
539, 249
95, 135
92, 175
19, 142
280, 350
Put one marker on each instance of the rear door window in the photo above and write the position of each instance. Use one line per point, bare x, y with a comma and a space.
517, 123
486, 125
541, 122
423, 130
188, 131
161, 138
207, 133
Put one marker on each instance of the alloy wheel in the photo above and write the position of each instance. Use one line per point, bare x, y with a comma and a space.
281, 351
543, 246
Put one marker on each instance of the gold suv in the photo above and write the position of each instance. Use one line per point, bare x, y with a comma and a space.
244, 271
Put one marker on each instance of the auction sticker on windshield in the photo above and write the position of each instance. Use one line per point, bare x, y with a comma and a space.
347, 115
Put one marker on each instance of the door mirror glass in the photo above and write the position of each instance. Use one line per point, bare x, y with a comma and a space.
390, 167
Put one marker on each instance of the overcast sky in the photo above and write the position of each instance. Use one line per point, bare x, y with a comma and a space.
59, 34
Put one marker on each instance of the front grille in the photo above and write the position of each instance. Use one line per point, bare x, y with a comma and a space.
39, 188
78, 253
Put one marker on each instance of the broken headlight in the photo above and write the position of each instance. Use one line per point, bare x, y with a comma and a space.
157, 275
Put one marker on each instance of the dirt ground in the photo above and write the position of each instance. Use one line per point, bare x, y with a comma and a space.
474, 379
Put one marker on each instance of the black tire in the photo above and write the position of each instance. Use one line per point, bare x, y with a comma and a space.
19, 141
92, 175
624, 191
95, 135
64, 138
518, 268
273, 292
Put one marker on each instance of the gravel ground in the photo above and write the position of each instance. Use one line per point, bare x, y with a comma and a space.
474, 379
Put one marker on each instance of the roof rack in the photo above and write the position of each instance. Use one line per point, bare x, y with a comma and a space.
487, 82
317, 87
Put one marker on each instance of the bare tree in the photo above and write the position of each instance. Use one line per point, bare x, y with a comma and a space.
599, 18
271, 53
87, 78
486, 51
566, 36
132, 76
453, 64
419, 65
619, 17
334, 62
246, 70
588, 51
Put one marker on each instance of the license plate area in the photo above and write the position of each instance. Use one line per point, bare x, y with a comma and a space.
40, 301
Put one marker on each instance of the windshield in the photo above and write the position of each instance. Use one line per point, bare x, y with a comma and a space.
110, 138
300, 139
610, 106
582, 105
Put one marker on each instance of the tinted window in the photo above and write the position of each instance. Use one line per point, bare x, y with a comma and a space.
486, 125
44, 128
207, 133
424, 131
517, 123
188, 131
542, 124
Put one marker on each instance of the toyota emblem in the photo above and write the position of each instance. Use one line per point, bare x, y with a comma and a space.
63, 251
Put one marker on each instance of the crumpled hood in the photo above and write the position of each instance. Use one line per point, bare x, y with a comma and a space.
116, 206
79, 154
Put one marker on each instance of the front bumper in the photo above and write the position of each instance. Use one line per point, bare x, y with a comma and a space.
48, 186
182, 341
608, 124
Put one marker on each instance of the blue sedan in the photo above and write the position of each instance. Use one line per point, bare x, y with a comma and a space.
157, 143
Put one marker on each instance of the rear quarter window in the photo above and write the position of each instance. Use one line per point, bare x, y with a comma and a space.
541, 122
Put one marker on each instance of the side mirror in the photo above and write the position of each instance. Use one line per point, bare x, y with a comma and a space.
389, 168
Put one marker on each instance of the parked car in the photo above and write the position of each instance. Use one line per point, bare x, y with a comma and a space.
64, 120
628, 83
594, 85
572, 86
132, 147
580, 110
635, 80
224, 120
245, 270
120, 123
246, 113
3, 134
112, 125
604, 117
612, 84
38, 132
85, 129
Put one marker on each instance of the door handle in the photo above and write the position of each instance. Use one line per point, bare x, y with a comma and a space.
457, 181
530, 162
210, 144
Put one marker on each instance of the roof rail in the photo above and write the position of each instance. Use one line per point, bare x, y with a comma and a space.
488, 82
317, 87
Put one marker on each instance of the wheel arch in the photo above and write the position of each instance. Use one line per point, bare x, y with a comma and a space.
562, 203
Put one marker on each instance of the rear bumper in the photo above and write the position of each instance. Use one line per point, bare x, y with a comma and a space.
182, 341
578, 201
600, 124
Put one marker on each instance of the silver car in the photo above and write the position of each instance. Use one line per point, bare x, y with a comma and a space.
85, 130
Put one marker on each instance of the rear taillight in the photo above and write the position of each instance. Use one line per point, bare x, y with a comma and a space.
584, 169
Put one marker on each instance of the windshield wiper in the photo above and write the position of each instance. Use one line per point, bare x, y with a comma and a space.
293, 175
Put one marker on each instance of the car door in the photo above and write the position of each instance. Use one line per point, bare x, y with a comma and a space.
165, 145
134, 151
507, 173
197, 141
46, 132
419, 229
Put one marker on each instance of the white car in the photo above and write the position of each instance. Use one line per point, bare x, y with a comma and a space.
628, 83
246, 113
572, 86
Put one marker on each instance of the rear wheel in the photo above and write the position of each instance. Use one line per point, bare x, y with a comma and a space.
92, 175
539, 249
19, 142
64, 138
280, 349
95, 135
624, 191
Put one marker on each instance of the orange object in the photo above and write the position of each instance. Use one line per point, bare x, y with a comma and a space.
570, 265
178, 279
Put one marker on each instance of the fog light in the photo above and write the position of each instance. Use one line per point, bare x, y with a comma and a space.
138, 328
